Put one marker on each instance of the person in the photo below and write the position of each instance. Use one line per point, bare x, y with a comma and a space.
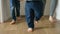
52, 10
15, 4
33, 10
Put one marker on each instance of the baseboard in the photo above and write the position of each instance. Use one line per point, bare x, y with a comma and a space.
21, 16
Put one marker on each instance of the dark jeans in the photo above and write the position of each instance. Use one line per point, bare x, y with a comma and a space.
15, 4
33, 10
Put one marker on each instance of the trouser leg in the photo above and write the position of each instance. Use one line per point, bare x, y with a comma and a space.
29, 15
12, 9
52, 7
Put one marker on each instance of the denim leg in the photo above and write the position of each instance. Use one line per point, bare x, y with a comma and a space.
18, 8
12, 9
29, 15
38, 8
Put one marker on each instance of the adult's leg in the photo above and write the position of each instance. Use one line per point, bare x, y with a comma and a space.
52, 10
52, 7
12, 9
17, 3
17, 8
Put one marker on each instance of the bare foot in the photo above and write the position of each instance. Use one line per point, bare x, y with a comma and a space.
35, 22
51, 19
13, 22
30, 30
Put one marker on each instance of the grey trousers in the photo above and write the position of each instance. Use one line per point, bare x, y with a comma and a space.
53, 7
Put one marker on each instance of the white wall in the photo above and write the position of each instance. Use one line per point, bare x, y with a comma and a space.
46, 12
6, 10
58, 11
22, 7
1, 11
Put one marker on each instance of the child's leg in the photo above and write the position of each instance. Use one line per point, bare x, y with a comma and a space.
12, 8
52, 9
29, 16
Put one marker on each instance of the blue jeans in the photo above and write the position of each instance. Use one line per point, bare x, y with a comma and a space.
33, 10
15, 4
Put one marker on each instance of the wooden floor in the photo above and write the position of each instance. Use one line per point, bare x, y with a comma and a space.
43, 27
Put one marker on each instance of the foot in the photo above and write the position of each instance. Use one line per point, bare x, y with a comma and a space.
51, 19
36, 22
30, 29
13, 22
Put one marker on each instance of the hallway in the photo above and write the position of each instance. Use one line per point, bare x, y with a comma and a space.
43, 27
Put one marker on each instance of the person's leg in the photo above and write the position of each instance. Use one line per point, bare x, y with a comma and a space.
18, 9
12, 9
29, 16
52, 10
38, 10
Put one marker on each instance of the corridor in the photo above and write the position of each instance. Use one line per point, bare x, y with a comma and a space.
42, 27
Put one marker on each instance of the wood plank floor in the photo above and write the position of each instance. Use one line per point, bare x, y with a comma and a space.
43, 27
